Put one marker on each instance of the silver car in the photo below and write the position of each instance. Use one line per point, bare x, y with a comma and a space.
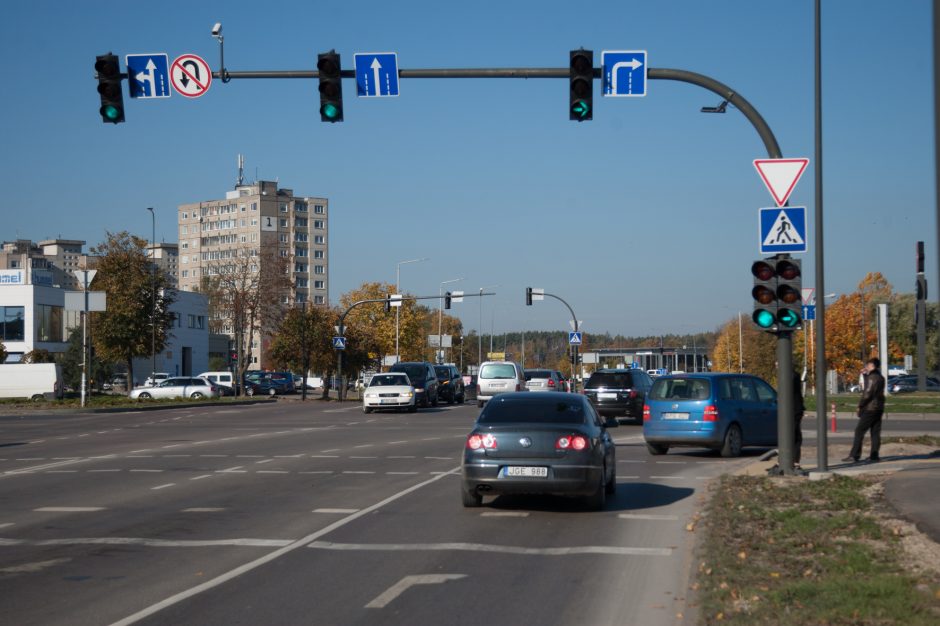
543, 380
498, 377
178, 387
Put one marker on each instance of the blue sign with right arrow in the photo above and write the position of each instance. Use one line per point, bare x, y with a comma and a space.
624, 73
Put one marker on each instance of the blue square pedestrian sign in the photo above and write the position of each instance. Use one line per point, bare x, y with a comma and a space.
624, 73
376, 74
148, 75
339, 343
782, 229
574, 338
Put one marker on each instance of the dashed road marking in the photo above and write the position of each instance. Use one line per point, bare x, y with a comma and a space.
504, 514
337, 511
483, 547
643, 516
387, 596
147, 471
201, 477
158, 487
68, 509
206, 509
401, 473
358, 472
154, 543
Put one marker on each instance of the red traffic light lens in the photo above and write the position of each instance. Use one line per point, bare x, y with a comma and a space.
788, 270
789, 295
762, 270
763, 294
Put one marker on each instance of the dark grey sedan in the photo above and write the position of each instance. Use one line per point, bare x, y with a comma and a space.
539, 443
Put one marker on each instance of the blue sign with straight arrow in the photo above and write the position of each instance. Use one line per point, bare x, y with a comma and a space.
376, 74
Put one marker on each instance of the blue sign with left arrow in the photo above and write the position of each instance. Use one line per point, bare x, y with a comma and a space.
339, 343
376, 74
148, 75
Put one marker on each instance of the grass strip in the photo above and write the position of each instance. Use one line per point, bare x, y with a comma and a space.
898, 403
801, 552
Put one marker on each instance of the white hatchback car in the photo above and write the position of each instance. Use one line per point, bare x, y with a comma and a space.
392, 390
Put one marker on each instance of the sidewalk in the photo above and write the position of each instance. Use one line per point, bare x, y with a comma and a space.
911, 487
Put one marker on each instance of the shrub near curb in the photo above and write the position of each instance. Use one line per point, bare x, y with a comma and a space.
790, 551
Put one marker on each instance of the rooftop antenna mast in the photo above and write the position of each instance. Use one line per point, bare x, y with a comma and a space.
241, 171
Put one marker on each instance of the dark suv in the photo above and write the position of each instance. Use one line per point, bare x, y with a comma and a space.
423, 378
619, 392
450, 384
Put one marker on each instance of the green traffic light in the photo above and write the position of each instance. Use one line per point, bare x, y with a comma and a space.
764, 318
789, 318
330, 111
111, 112
581, 109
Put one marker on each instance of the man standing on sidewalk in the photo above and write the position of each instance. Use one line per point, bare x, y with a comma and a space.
870, 409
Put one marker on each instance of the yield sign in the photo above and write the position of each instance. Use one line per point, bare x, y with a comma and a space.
780, 176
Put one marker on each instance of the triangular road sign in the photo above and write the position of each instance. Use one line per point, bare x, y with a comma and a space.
780, 176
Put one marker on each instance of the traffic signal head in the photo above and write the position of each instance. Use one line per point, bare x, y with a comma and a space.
764, 293
528, 296
777, 294
233, 355
447, 300
108, 71
789, 294
581, 85
388, 304
331, 87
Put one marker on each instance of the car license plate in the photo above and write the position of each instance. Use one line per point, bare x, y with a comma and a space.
675, 416
526, 472
388, 401
606, 396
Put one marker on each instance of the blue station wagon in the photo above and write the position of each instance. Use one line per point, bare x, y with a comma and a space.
723, 412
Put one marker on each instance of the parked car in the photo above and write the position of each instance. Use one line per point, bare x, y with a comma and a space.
313, 382
498, 377
450, 384
565, 383
35, 381
155, 379
177, 387
539, 443
724, 412
543, 380
391, 390
222, 379
905, 384
619, 392
423, 378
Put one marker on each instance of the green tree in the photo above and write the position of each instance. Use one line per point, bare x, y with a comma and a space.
38, 355
3, 353
139, 298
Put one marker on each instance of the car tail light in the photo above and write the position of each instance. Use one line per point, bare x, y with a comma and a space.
487, 441
646, 413
711, 413
632, 395
551, 383
571, 442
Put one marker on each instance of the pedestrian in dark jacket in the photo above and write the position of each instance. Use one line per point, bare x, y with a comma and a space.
870, 410
798, 409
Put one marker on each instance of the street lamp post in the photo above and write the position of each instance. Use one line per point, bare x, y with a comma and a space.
153, 296
398, 308
440, 318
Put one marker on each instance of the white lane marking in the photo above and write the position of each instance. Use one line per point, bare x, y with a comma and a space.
287, 456
671, 462
504, 514
272, 472
643, 516
430, 439
483, 547
143, 541
271, 556
172, 445
137, 451
359, 472
352, 423
384, 598
250, 456
213, 456
162, 486
6, 524
324, 456
400, 457
148, 471
139, 456
440, 458
69, 509
28, 568
176, 456
318, 472
206, 509
365, 445
37, 468
232, 470
330, 450
337, 511
99, 471
401, 473
66, 458
363, 457
201, 477
105, 456
670, 477
33, 458
394, 442
263, 461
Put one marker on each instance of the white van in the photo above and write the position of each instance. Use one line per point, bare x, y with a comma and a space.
35, 381
219, 378
497, 377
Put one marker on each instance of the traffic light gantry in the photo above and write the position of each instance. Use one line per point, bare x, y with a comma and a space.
777, 294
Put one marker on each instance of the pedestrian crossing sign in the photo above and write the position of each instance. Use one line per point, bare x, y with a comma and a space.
782, 229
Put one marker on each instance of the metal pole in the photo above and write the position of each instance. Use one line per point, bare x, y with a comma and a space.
785, 422
153, 296
398, 308
439, 357
740, 346
303, 344
480, 335
936, 127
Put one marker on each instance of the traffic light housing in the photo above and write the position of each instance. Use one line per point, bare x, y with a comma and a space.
447, 300
777, 294
528, 296
331, 87
388, 304
108, 73
581, 85
233, 356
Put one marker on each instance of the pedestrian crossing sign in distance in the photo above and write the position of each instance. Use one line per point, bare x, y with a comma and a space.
782, 229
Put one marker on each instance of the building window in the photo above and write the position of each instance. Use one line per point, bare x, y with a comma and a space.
318, 209
254, 206
254, 221
319, 239
197, 321
300, 267
283, 207
318, 300
300, 207
282, 237
254, 236
300, 252
300, 237
319, 284
185, 274
302, 283
48, 322
318, 254
318, 224
319, 269
300, 222
185, 215
283, 222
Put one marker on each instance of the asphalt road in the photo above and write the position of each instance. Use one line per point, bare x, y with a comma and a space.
317, 514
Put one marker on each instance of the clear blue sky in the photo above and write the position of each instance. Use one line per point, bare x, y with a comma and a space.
644, 219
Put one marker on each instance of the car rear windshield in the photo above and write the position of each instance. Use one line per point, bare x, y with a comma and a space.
498, 370
609, 380
415, 372
442, 372
530, 374
388, 380
532, 411
681, 389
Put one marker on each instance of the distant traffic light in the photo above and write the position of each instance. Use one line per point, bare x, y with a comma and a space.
331, 87
447, 300
528, 296
108, 71
581, 88
233, 356
778, 301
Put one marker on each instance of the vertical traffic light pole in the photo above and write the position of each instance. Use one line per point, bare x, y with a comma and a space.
574, 322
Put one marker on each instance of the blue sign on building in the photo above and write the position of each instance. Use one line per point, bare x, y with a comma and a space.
148, 75
376, 74
624, 73
783, 229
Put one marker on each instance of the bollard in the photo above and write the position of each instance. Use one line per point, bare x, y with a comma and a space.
833, 425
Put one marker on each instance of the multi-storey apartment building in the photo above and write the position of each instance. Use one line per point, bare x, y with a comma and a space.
255, 218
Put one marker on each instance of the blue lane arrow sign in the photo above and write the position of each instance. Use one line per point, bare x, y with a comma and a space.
339, 343
376, 74
624, 73
809, 312
148, 75
574, 338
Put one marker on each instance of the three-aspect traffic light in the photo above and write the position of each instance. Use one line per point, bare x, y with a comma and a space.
233, 356
447, 300
528, 296
777, 294
108, 71
581, 88
331, 87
